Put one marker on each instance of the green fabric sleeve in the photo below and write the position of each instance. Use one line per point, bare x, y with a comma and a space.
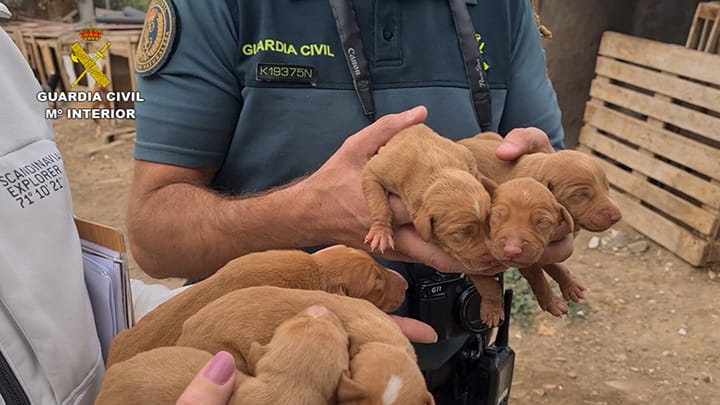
531, 99
192, 103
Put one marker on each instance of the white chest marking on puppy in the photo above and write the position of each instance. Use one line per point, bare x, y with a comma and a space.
392, 390
476, 205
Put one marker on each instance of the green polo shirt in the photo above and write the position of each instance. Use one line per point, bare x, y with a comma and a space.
217, 94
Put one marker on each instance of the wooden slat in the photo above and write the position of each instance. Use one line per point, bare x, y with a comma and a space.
661, 56
703, 221
665, 173
676, 115
675, 87
100, 234
714, 255
663, 231
689, 153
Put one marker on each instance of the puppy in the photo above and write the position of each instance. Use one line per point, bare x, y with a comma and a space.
441, 187
338, 269
577, 180
524, 216
306, 363
447, 198
579, 183
252, 314
378, 372
158, 376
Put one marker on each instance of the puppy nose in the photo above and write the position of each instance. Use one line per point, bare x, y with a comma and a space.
512, 251
615, 215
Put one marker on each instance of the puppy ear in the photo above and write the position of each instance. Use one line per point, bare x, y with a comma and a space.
489, 184
256, 352
567, 217
353, 346
423, 223
349, 390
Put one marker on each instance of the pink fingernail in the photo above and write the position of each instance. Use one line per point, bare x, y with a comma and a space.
220, 368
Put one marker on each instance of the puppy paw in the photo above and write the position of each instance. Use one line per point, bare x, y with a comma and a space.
380, 238
491, 315
573, 291
555, 306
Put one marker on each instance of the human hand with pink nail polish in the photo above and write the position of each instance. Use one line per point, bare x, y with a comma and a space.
213, 385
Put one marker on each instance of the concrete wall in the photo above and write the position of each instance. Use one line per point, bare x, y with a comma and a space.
577, 27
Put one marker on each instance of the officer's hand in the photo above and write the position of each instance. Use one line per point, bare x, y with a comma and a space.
342, 211
213, 384
521, 141
414, 330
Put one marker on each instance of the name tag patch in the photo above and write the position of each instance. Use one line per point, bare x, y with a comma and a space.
284, 73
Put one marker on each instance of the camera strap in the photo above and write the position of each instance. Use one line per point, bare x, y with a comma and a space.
355, 56
477, 79
359, 67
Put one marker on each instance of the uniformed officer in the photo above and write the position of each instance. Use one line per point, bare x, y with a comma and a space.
244, 138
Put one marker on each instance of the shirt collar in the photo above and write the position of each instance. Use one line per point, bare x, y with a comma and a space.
4, 12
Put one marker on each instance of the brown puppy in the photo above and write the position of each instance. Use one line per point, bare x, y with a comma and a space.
579, 183
158, 376
439, 183
378, 370
577, 180
252, 314
338, 269
447, 198
523, 218
305, 363
525, 214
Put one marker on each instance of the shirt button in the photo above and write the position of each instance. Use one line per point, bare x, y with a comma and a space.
388, 34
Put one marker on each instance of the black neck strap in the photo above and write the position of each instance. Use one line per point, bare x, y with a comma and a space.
474, 70
355, 56
357, 61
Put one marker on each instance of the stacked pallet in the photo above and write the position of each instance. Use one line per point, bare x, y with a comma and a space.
653, 119
705, 29
46, 47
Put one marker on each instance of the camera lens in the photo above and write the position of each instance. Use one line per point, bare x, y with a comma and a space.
469, 311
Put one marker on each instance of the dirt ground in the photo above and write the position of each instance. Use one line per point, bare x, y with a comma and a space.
650, 333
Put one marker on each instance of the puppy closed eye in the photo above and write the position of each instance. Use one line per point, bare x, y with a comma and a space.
581, 195
464, 233
544, 223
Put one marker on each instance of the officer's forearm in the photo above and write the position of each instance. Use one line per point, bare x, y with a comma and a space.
186, 230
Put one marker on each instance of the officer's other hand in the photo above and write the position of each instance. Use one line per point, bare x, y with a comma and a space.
213, 384
414, 330
522, 141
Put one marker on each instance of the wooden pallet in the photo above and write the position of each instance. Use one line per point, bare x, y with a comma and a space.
653, 119
705, 29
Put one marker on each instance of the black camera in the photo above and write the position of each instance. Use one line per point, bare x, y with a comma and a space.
449, 303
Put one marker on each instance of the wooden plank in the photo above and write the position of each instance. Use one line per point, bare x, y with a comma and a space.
687, 152
676, 115
714, 254
704, 221
713, 37
38, 63
675, 87
663, 231
131, 65
702, 190
101, 234
47, 59
661, 56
